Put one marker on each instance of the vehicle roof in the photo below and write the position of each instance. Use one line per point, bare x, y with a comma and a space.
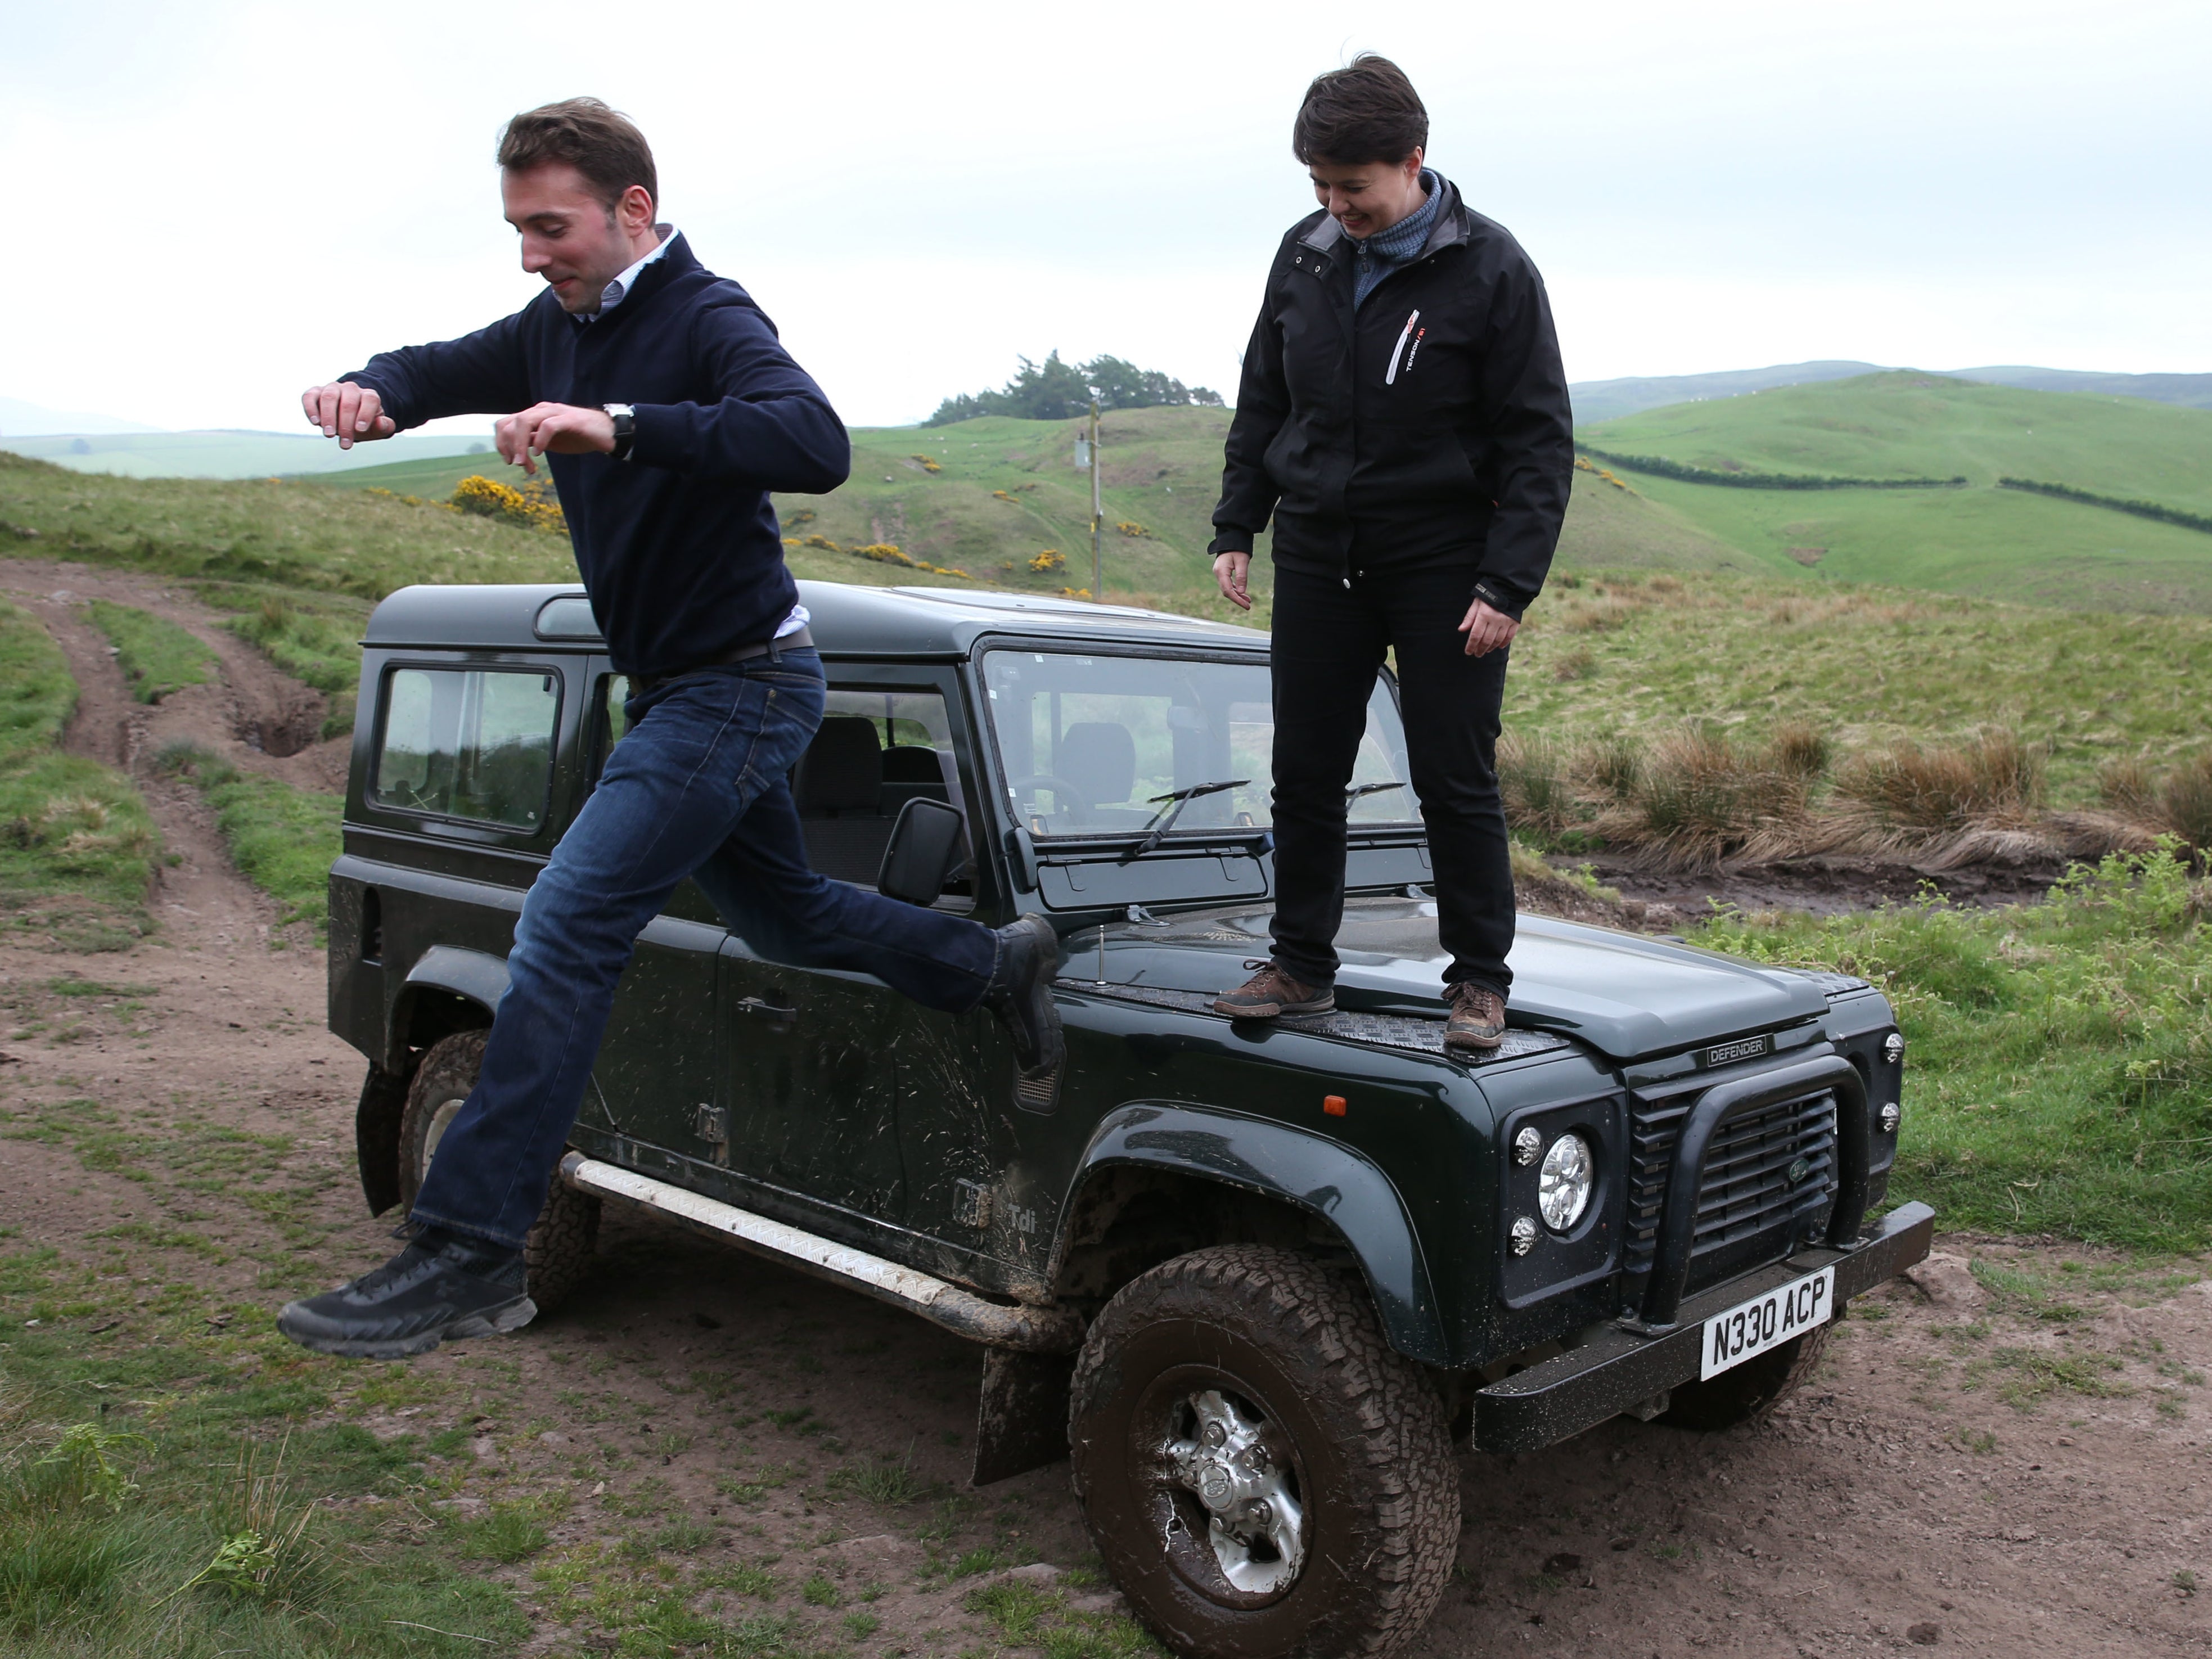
904, 621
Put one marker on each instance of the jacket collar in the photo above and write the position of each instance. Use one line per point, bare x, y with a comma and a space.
673, 261
1449, 227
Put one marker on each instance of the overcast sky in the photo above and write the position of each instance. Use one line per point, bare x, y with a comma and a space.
217, 204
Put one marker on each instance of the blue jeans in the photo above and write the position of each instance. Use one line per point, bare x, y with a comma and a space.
699, 786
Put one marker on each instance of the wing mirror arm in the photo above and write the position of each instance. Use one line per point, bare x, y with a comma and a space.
923, 852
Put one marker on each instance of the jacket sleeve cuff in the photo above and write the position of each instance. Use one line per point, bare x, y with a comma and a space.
395, 405
1229, 539
1501, 597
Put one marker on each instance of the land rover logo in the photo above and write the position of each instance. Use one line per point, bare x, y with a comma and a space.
1800, 1169
1721, 1054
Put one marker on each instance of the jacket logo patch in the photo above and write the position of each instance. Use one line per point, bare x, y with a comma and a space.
1405, 338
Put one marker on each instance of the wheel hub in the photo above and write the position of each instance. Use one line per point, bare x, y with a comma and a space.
1218, 1451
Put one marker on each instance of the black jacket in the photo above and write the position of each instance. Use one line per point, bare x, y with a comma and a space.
677, 544
1429, 427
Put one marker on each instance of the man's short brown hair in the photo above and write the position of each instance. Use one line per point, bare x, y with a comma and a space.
1367, 110
603, 144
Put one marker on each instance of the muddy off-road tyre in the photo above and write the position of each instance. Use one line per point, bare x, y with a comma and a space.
1263, 1475
1749, 1391
558, 1251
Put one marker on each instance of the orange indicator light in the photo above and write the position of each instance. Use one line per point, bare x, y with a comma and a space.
1333, 1104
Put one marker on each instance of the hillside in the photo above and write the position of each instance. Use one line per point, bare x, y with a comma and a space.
1606, 400
147, 455
1977, 539
1006, 492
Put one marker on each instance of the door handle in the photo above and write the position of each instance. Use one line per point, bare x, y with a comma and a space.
761, 1008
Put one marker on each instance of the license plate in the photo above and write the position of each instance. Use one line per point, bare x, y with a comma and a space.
1750, 1328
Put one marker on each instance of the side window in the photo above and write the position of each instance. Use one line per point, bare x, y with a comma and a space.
608, 722
471, 744
876, 750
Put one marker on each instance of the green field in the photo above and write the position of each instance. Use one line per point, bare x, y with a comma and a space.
1978, 539
227, 454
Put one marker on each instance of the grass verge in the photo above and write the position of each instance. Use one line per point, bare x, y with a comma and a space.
283, 840
2060, 1053
156, 655
76, 842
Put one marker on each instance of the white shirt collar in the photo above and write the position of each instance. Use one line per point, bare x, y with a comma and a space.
615, 292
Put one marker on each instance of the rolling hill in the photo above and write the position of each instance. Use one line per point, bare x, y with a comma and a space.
991, 497
1974, 539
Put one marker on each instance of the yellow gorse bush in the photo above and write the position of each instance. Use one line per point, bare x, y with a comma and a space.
532, 505
1048, 560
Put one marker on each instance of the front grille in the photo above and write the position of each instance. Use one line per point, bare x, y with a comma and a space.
1749, 1210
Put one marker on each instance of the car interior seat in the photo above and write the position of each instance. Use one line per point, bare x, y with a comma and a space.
1099, 758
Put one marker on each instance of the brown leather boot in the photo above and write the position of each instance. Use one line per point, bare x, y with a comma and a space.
1478, 1018
1271, 992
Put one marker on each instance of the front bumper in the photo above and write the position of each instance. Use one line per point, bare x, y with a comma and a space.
1621, 1368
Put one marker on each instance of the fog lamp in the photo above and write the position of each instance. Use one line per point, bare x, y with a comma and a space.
1563, 1185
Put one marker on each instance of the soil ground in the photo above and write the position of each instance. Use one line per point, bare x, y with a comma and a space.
2025, 1470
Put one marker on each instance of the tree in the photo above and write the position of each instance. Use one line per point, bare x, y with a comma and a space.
1056, 391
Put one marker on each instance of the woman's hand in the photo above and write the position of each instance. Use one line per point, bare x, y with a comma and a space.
1232, 573
1486, 629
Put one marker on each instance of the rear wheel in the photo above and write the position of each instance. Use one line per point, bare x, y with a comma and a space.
558, 1251
1746, 1392
1263, 1475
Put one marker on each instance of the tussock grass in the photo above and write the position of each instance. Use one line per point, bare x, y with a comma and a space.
2059, 1074
76, 842
1991, 777
156, 655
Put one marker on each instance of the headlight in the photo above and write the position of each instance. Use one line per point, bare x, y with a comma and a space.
1562, 1186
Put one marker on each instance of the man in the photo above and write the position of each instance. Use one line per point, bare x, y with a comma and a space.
1403, 417
668, 411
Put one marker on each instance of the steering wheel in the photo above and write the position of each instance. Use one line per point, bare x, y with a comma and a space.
1069, 798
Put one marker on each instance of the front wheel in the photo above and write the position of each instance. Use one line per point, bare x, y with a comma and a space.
1263, 1475
558, 1251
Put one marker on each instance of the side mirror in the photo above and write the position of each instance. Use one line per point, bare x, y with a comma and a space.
923, 850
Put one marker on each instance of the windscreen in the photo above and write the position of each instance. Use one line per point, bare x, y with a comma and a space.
1087, 744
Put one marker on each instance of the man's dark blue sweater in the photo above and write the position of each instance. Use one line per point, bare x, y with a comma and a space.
679, 543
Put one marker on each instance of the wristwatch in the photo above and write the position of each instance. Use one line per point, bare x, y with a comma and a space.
625, 419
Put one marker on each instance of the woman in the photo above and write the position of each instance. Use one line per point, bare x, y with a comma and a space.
1403, 417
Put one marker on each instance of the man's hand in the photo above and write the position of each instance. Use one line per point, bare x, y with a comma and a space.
1232, 573
351, 414
555, 428
1486, 629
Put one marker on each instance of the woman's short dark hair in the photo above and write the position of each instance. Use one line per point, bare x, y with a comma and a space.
1367, 110
603, 144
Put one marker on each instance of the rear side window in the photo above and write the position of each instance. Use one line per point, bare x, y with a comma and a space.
473, 743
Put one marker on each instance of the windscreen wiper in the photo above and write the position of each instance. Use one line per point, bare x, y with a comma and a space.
1359, 789
1176, 799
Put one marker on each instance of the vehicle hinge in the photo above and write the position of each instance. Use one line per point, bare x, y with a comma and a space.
711, 1123
971, 1204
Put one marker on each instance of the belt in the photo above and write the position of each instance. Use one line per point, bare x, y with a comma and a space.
801, 641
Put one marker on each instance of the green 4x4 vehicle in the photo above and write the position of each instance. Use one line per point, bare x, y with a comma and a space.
1255, 1278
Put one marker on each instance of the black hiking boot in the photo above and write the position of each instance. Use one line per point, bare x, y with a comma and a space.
440, 1286
1477, 1024
1021, 995
1272, 992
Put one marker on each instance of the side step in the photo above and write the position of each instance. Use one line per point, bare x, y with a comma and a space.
1001, 1324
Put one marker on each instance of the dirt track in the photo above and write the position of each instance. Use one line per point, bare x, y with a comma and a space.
1904, 1500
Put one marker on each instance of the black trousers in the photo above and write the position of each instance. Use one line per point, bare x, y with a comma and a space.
1329, 643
